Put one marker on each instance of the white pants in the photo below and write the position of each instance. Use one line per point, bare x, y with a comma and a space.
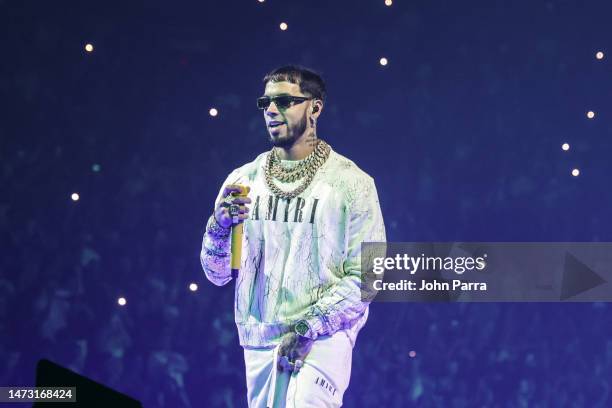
321, 382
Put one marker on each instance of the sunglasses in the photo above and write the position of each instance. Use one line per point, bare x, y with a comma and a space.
282, 101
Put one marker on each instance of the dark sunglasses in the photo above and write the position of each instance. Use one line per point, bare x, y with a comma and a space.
281, 101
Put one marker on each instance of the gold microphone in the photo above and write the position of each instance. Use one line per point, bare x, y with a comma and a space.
237, 230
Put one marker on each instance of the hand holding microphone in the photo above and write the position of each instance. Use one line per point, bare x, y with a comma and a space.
233, 196
232, 211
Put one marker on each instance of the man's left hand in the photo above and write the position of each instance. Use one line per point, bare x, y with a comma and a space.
293, 347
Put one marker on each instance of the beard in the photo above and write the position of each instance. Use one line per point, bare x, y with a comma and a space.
293, 134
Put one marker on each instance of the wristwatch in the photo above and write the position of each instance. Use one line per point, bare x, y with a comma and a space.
302, 328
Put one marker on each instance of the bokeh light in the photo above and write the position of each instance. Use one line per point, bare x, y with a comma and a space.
412, 353
383, 61
575, 172
599, 55
565, 146
75, 196
89, 47
193, 287
283, 26
121, 301
213, 112
590, 114
388, 2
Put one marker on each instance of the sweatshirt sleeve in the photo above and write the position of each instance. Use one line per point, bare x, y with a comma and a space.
342, 303
215, 253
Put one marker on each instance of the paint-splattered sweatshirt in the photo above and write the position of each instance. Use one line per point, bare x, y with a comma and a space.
301, 258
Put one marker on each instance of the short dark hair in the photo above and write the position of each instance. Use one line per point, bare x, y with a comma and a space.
310, 82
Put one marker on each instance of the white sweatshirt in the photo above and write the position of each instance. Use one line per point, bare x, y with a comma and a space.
300, 259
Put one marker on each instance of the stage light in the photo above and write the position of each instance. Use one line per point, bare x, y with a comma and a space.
75, 197
283, 26
383, 61
412, 353
599, 55
388, 2
565, 146
193, 287
213, 112
575, 172
96, 168
121, 301
590, 114
88, 47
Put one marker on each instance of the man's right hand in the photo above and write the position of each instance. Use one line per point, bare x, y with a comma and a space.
222, 214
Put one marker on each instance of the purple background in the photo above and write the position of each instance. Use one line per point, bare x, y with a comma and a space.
461, 131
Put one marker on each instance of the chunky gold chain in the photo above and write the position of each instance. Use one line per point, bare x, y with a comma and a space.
306, 170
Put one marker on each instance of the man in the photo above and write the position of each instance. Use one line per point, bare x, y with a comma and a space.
298, 304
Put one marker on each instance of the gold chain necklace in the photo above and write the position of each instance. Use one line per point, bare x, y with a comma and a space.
306, 170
